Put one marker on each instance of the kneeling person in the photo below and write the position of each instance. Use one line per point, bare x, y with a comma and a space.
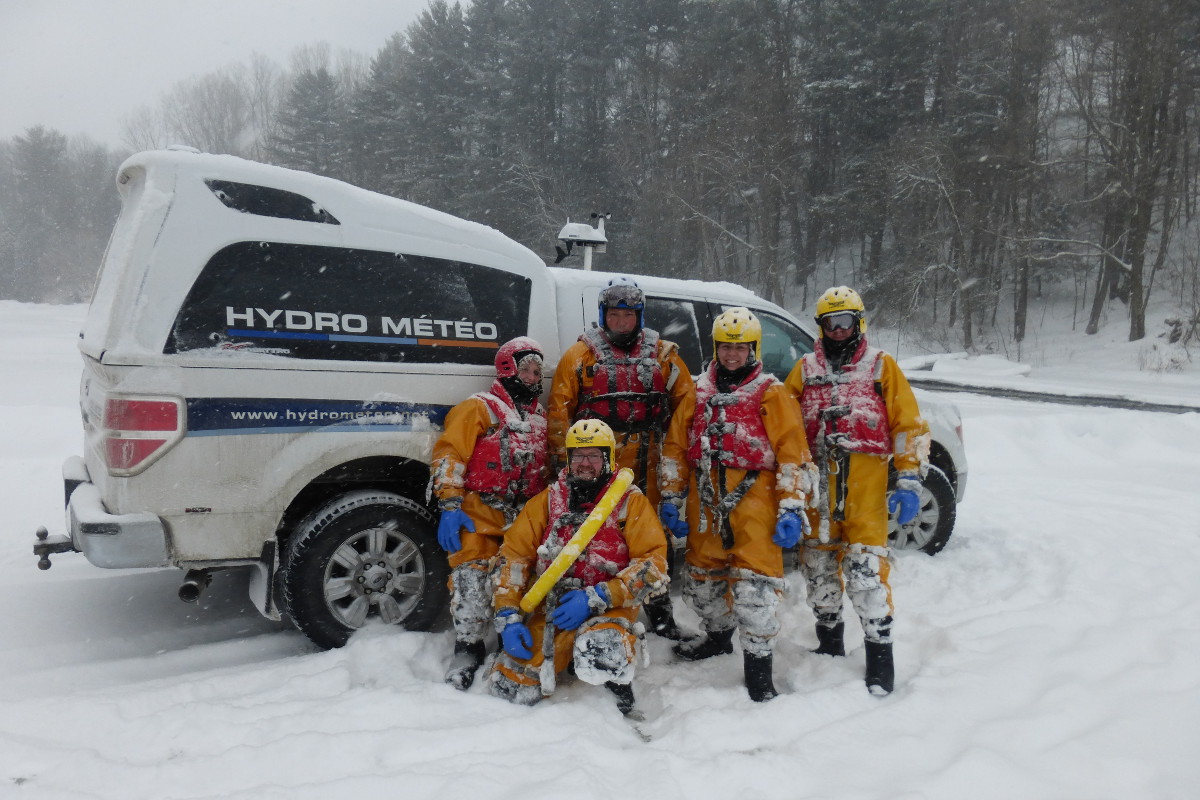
589, 615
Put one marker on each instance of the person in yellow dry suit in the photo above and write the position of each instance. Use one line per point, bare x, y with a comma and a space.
592, 610
627, 375
859, 412
741, 443
490, 459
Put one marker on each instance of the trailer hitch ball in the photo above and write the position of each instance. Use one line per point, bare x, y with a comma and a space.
42, 534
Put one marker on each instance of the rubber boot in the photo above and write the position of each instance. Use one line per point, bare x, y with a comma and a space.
758, 678
880, 674
624, 694
829, 640
662, 618
468, 656
716, 643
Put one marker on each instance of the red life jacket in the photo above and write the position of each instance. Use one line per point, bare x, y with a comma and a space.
607, 553
730, 425
509, 460
629, 390
864, 427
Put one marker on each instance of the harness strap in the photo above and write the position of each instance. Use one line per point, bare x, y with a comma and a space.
841, 461
719, 502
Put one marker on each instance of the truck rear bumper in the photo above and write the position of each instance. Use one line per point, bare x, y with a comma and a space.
113, 541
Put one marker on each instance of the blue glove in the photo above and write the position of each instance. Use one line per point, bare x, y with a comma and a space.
515, 636
448, 527
906, 497
788, 529
576, 606
669, 515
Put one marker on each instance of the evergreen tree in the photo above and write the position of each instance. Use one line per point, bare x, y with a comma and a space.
309, 127
39, 210
375, 114
427, 92
57, 208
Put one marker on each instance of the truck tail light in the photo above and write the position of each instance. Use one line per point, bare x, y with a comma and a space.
137, 431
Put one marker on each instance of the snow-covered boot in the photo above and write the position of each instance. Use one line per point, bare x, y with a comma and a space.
624, 694
716, 643
468, 656
662, 618
758, 678
506, 688
829, 639
880, 674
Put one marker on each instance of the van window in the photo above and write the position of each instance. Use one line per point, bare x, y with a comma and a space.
783, 344
308, 301
675, 321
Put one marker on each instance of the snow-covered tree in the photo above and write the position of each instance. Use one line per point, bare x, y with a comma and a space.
308, 131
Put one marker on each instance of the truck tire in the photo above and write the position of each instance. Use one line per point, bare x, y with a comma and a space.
931, 528
364, 554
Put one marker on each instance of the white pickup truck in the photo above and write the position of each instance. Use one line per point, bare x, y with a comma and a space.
267, 360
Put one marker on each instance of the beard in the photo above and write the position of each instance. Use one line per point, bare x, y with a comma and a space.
585, 491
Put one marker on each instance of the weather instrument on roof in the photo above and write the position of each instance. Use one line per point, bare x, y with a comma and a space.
582, 234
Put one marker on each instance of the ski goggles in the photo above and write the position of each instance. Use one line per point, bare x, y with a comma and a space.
839, 321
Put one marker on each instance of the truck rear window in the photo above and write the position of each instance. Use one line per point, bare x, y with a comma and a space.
308, 301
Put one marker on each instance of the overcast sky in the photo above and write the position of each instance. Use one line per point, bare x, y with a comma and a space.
80, 66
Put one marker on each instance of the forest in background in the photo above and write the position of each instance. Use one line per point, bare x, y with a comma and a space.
954, 160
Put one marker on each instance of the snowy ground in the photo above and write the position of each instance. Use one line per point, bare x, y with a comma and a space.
1049, 652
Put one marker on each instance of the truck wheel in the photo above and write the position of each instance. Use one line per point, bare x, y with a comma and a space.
364, 554
931, 528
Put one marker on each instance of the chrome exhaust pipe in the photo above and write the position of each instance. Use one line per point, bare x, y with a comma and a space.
194, 582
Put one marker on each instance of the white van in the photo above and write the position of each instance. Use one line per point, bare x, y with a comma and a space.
267, 361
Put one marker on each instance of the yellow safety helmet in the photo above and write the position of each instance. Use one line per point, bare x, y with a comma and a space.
593, 433
840, 299
738, 325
